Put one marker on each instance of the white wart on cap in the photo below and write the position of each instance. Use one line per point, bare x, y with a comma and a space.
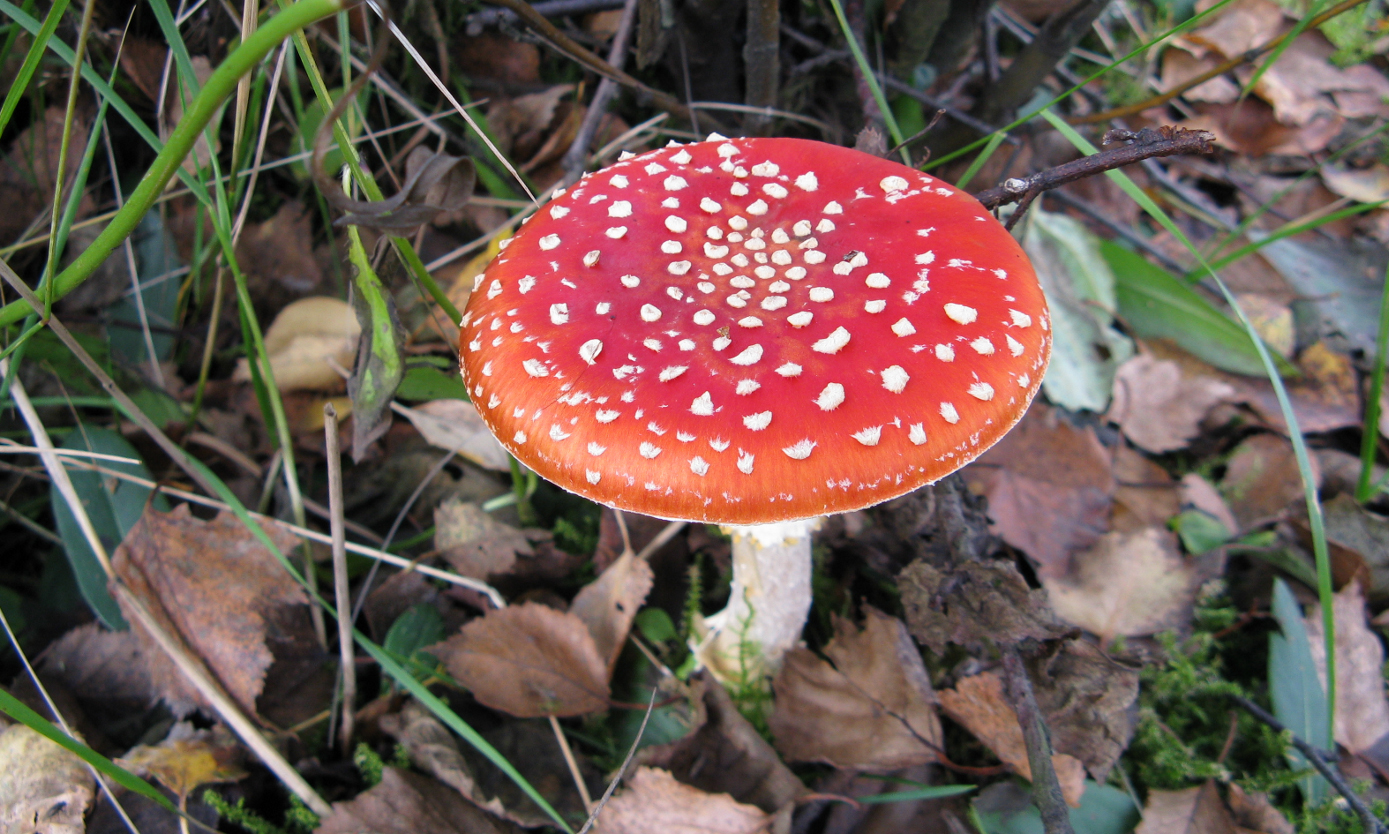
750, 330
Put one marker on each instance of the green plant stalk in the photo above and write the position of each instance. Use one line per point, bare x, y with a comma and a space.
1285, 231
978, 162
1315, 522
866, 70
1369, 437
219, 86
64, 148
367, 183
31, 61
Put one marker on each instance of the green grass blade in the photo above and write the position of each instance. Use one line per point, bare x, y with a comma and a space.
31, 62
20, 712
867, 70
1369, 432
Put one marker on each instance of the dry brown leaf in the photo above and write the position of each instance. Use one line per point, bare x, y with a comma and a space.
608, 605
1239, 27
277, 255
530, 661
1262, 479
977, 703
1049, 488
1255, 814
1146, 495
1127, 585
1156, 409
409, 803
1273, 320
91, 661
1363, 185
475, 543
304, 341
1089, 701
1360, 538
1180, 66
46, 789
870, 707
213, 584
28, 172
1192, 811
654, 801
455, 424
1362, 712
724, 753
187, 758
979, 605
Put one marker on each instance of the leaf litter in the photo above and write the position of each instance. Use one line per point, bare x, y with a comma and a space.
1090, 555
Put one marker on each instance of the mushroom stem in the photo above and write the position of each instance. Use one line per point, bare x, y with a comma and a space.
767, 604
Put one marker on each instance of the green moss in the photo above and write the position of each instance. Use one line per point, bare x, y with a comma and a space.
369, 764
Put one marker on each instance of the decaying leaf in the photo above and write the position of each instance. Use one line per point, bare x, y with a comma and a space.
474, 542
869, 707
1262, 479
1255, 813
1049, 487
187, 758
654, 801
213, 584
408, 803
981, 604
1361, 717
435, 182
978, 704
1089, 701
1127, 585
609, 604
724, 753
1191, 811
1156, 409
380, 354
455, 424
304, 341
1360, 538
46, 788
92, 659
529, 661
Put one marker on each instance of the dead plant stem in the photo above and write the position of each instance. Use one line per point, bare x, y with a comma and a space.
341, 591
1046, 789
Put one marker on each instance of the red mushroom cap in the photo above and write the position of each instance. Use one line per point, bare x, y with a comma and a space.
753, 330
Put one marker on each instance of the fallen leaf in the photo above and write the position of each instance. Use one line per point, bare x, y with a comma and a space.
1089, 701
608, 605
455, 424
1262, 479
1363, 185
654, 801
529, 661
28, 173
433, 749
1272, 320
1192, 811
1127, 585
435, 183
1239, 27
187, 758
724, 753
474, 542
90, 659
278, 259
1156, 408
304, 341
980, 604
1179, 66
1255, 813
408, 803
1363, 536
1049, 488
213, 584
869, 707
977, 703
1361, 719
46, 789
1199, 494
1146, 495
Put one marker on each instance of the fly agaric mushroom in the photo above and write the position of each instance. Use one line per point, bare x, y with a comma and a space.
755, 332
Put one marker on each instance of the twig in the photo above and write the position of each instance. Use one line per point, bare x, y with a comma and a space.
631, 751
1046, 790
576, 157
573, 765
667, 533
1232, 63
1145, 144
568, 45
477, 21
342, 595
1318, 761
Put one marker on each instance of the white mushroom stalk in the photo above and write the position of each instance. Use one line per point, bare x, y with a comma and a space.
752, 332
768, 602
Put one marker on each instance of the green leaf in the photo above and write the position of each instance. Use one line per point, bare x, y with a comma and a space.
1104, 809
17, 710
112, 504
1200, 531
656, 626
932, 792
419, 626
1157, 305
156, 260
1080, 292
426, 384
1298, 698
380, 363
